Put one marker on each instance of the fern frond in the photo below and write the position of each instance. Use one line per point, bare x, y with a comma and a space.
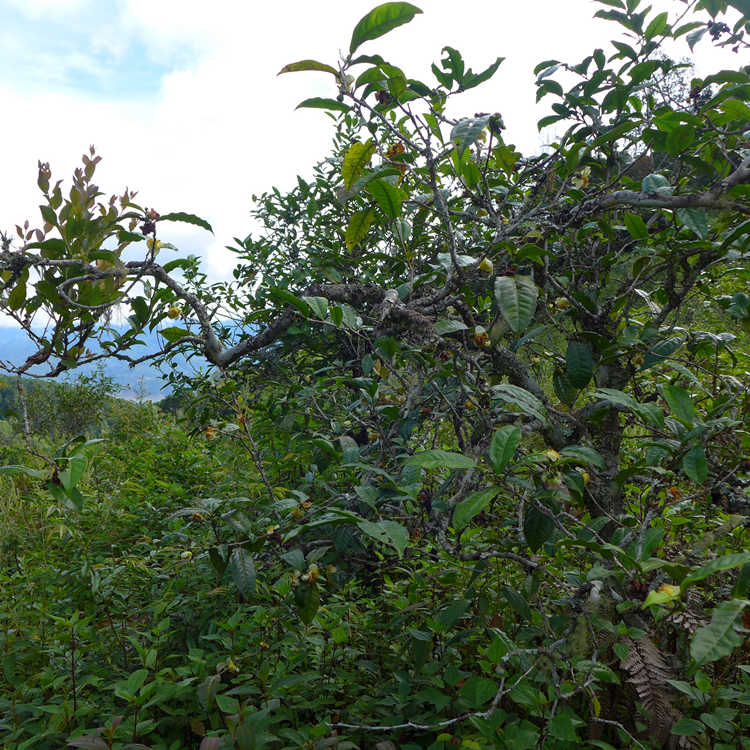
648, 672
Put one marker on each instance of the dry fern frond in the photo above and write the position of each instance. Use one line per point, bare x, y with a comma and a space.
648, 672
691, 618
686, 743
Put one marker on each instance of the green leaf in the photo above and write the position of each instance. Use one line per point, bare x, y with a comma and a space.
562, 726
135, 681
287, 298
644, 70
206, 691
55, 246
319, 306
123, 236
739, 306
402, 230
656, 597
616, 131
29, 472
17, 297
657, 26
312, 65
387, 196
359, 225
177, 263
533, 253
742, 584
636, 226
695, 36
516, 297
527, 402
318, 102
727, 562
48, 215
538, 527
549, 120
349, 449
503, 446
75, 499
695, 466
439, 459
467, 131
687, 727
449, 326
140, 309
564, 389
736, 109
719, 638
625, 50
245, 736
452, 613
516, 600
72, 499
187, 219
381, 20
471, 80
473, 506
695, 219
727, 76
219, 562
499, 647
307, 599
444, 78
74, 471
173, 333
356, 160
228, 704
373, 174
89, 742
242, 568
680, 403
376, 77
387, 532
295, 557
548, 66
579, 363
661, 350
584, 454
349, 317
680, 138
435, 697
478, 690
735, 234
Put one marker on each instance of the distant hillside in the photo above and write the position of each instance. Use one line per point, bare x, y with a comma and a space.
143, 380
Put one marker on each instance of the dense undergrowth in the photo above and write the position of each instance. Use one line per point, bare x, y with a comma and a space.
119, 616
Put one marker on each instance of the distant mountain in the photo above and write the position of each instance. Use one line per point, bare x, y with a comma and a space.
142, 381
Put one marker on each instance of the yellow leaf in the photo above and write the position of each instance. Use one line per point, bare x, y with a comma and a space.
357, 158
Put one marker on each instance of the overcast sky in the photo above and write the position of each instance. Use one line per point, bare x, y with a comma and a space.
182, 101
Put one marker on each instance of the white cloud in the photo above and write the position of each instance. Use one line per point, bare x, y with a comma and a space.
37, 8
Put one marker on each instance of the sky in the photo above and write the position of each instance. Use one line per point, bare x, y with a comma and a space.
181, 98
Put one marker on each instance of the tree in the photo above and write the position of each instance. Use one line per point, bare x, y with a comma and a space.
448, 330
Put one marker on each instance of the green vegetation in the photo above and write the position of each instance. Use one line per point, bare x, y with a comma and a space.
470, 466
68, 408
